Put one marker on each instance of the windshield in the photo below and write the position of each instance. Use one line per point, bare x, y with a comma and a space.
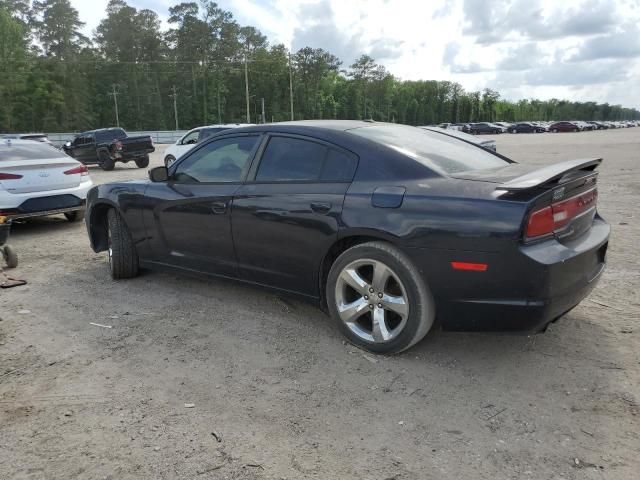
441, 153
11, 152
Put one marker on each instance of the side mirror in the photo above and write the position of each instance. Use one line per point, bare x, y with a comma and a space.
159, 174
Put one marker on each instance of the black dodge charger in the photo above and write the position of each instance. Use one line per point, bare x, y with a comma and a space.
388, 227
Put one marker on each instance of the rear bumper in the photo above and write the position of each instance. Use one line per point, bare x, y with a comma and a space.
37, 204
521, 291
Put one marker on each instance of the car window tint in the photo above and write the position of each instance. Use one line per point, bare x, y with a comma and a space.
34, 151
291, 159
338, 167
220, 161
441, 153
110, 135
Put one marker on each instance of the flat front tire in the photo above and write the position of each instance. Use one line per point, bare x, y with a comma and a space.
378, 299
123, 258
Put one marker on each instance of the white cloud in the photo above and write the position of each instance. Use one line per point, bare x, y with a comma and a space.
523, 48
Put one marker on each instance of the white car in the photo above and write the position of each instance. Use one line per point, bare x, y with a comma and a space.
36, 137
193, 137
37, 179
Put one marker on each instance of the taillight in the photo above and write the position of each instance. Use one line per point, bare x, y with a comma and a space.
9, 176
118, 145
81, 169
546, 220
540, 223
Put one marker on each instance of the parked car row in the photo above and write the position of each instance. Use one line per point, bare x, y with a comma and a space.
479, 128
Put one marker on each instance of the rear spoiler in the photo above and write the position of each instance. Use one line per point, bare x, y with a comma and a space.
550, 174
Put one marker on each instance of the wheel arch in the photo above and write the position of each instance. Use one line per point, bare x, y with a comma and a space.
345, 241
98, 225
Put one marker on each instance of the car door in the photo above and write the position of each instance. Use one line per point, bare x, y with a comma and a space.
76, 147
287, 214
188, 217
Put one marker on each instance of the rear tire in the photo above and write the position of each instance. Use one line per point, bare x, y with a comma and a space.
142, 162
75, 216
106, 162
396, 315
123, 258
10, 256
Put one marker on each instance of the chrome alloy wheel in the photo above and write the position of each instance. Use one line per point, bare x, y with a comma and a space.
110, 248
372, 301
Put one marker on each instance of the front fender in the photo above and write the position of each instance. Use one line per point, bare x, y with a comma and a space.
127, 199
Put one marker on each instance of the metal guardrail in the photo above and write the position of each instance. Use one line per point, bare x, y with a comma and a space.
158, 136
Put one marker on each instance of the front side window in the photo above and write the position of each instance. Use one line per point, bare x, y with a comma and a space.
297, 160
222, 161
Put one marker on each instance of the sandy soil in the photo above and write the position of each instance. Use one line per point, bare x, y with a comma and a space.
276, 393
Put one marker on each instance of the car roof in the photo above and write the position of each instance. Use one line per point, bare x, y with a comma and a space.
223, 125
327, 127
101, 130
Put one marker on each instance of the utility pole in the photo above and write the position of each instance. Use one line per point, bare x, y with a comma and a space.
291, 86
115, 94
175, 106
264, 119
246, 87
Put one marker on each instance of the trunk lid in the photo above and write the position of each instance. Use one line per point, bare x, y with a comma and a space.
39, 175
561, 197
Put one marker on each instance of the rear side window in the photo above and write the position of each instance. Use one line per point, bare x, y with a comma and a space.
37, 151
294, 159
109, 135
338, 167
441, 153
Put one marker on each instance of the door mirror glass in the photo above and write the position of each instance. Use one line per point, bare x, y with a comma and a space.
159, 174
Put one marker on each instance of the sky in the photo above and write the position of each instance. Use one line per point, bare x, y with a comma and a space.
578, 50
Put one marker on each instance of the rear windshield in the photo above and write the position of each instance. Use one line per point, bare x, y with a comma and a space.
33, 151
441, 153
111, 134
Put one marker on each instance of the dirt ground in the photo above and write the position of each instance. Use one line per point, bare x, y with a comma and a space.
277, 394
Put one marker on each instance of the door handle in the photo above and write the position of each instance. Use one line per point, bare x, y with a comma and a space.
321, 207
219, 207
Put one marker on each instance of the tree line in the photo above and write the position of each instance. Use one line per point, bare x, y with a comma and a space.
54, 78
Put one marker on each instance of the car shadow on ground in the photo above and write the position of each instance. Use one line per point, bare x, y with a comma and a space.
42, 226
572, 339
